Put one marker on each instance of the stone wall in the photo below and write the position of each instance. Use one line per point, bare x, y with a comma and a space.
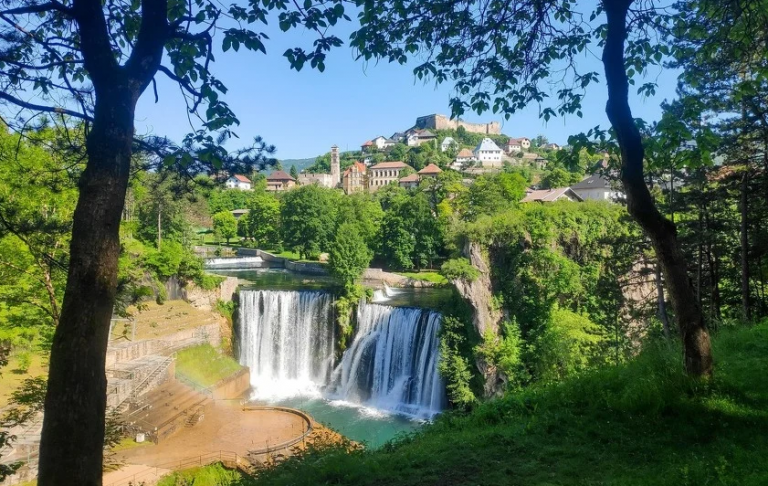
442, 122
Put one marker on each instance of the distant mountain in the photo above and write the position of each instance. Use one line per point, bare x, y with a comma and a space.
300, 164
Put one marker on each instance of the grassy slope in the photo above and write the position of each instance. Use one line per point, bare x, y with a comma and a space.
204, 365
640, 424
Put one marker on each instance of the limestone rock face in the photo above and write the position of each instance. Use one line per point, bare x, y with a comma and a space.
479, 295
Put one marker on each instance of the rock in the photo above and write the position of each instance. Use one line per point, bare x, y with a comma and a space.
479, 295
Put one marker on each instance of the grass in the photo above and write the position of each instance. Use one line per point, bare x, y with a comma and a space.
204, 366
640, 424
213, 475
11, 376
428, 276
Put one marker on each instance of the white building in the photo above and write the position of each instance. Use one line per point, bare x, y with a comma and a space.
239, 181
514, 146
488, 153
384, 173
382, 143
596, 187
448, 143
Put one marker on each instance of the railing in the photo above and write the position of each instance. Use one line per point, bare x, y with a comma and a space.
228, 458
288, 443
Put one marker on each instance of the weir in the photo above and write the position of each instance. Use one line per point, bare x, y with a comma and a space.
287, 339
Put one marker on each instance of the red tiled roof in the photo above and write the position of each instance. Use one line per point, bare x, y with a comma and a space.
390, 165
465, 153
410, 178
279, 175
431, 169
367, 144
242, 178
360, 168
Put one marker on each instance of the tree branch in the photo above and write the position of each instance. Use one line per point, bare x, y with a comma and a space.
43, 108
40, 8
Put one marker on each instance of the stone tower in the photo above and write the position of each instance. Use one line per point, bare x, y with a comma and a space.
335, 166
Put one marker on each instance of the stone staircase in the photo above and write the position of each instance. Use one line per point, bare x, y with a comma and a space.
165, 409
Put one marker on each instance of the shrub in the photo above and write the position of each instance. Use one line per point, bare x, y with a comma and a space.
459, 269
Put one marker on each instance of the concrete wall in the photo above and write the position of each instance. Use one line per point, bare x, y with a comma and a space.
233, 386
442, 122
308, 268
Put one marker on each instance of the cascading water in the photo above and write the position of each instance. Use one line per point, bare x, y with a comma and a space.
392, 362
287, 340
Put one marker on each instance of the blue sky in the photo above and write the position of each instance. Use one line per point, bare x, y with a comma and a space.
304, 113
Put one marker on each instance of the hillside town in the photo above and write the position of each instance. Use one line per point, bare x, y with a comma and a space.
376, 164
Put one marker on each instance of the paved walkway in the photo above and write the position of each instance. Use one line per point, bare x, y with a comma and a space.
134, 474
225, 427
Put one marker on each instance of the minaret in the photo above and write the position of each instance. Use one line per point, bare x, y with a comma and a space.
335, 166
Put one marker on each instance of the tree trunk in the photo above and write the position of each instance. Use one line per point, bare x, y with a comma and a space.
71, 448
661, 303
696, 343
744, 240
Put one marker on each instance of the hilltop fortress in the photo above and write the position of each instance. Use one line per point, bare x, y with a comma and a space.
442, 122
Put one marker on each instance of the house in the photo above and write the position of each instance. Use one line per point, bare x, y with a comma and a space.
552, 146
551, 195
384, 173
367, 146
513, 146
398, 137
525, 142
415, 137
430, 171
280, 181
488, 153
596, 187
410, 181
448, 143
239, 181
353, 179
465, 155
382, 143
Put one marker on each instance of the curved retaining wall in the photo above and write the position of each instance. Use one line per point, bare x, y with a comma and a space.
288, 443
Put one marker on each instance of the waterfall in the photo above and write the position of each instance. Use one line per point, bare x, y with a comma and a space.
287, 341
392, 362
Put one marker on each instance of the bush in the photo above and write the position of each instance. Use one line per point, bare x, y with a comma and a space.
23, 361
459, 269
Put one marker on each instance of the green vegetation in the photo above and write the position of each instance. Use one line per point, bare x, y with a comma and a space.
426, 276
459, 269
204, 366
213, 475
225, 225
349, 254
639, 423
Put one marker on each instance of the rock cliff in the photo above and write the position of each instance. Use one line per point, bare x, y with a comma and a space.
479, 294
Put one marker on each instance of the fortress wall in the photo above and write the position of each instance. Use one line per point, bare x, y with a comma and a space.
442, 122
